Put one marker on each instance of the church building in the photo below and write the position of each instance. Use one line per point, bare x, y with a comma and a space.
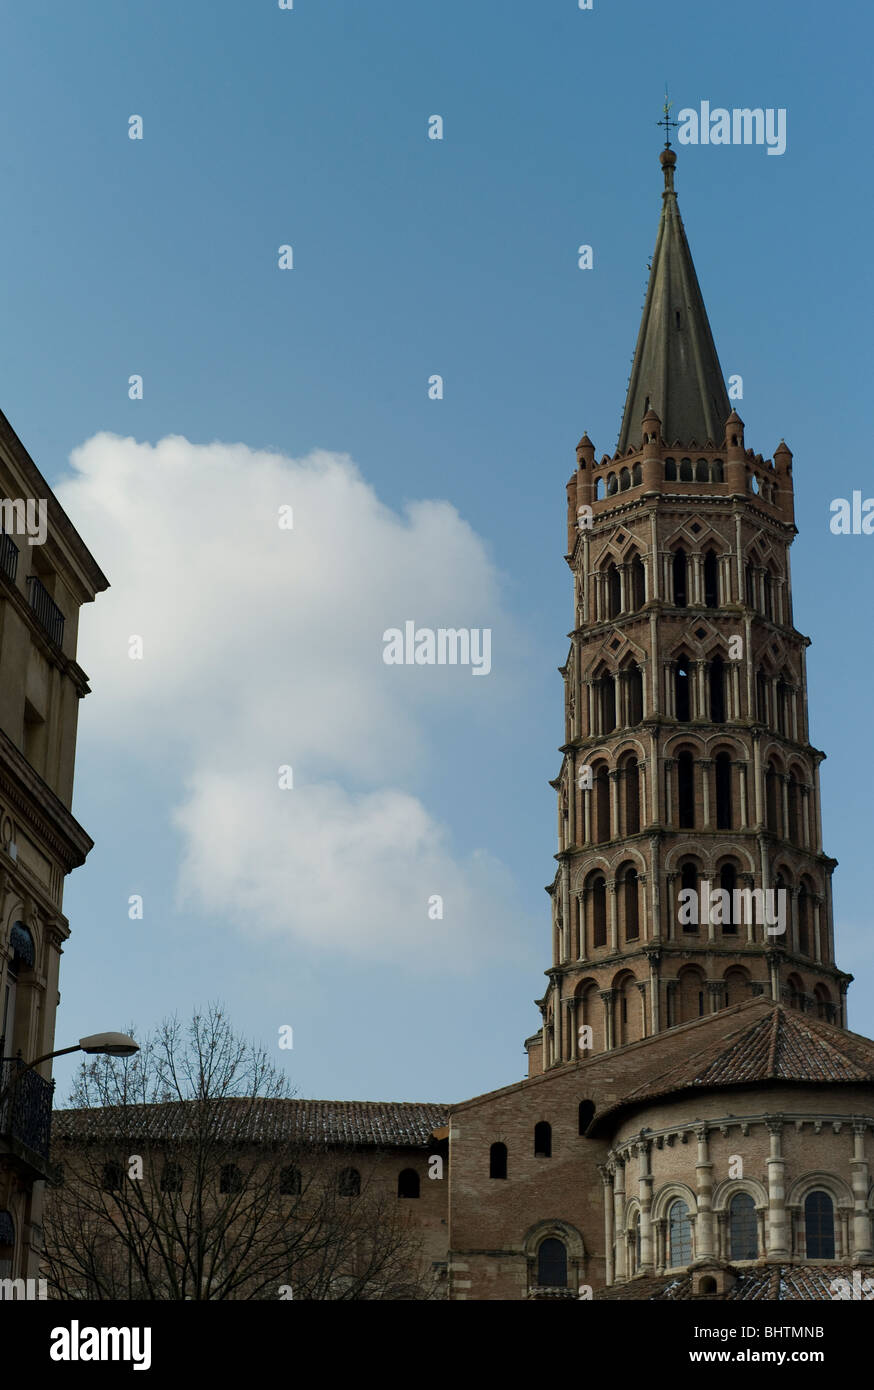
697, 1121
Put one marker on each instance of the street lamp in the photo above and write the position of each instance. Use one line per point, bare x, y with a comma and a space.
99, 1044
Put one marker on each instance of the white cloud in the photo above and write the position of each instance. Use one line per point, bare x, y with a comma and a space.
264, 647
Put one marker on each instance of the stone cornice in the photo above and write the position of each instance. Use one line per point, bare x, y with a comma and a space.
40, 809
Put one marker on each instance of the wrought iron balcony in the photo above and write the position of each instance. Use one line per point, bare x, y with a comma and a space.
25, 1109
45, 608
8, 556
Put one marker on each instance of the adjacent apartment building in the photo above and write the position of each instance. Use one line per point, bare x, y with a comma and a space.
46, 574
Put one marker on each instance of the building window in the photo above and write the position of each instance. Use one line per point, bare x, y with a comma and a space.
498, 1161
670, 470
638, 584
607, 702
728, 883
614, 592
602, 805
680, 1234
586, 1114
112, 1177
599, 912
686, 790
635, 694
771, 791
171, 1177
680, 578
631, 904
686, 471
349, 1183
631, 782
543, 1139
408, 1183
711, 580
552, 1264
289, 1181
681, 690
723, 791
689, 882
717, 690
794, 833
819, 1226
743, 1228
230, 1179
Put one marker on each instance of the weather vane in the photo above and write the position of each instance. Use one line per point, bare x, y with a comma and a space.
666, 121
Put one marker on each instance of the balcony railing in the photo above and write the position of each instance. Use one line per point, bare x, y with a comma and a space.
8, 556
25, 1107
45, 608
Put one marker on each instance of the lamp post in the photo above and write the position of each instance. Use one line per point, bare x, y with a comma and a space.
98, 1044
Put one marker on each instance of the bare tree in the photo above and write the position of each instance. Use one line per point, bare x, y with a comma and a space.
186, 1176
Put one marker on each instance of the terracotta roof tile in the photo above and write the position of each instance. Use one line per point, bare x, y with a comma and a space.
341, 1122
784, 1045
780, 1283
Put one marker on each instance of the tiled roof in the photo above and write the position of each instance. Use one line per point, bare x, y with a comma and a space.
783, 1045
365, 1123
776, 1283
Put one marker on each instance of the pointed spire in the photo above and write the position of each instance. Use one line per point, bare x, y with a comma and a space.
676, 370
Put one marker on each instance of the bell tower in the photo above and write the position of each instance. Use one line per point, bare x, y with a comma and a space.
691, 873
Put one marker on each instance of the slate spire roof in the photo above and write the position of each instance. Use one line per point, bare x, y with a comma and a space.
676, 369
782, 1045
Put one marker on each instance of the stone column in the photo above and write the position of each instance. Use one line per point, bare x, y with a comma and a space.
778, 1233
744, 802
653, 587
757, 776
793, 927
706, 765
654, 958
817, 945
862, 1250
605, 1170
645, 1196
805, 816
607, 996
784, 778
704, 1195
620, 1270
614, 776
735, 713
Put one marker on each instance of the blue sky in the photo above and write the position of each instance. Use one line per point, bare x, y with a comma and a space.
411, 257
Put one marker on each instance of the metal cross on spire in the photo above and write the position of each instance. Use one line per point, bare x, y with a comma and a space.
666, 121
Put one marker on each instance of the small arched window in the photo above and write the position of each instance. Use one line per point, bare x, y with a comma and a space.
631, 783
636, 475
289, 1181
716, 475
743, 1227
231, 1179
767, 586
624, 479
702, 471
686, 472
614, 592
602, 805
498, 1161
349, 1183
612, 485
543, 1139
408, 1183
599, 489
680, 1234
670, 470
552, 1264
819, 1226
771, 790
607, 693
635, 695
586, 1114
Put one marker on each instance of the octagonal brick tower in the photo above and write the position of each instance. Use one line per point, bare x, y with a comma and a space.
686, 758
